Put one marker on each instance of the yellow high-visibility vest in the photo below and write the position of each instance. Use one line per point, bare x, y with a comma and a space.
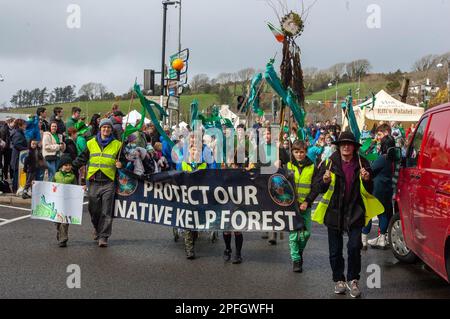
185, 167
103, 160
372, 205
302, 181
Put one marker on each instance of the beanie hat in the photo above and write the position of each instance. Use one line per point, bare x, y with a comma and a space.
65, 159
105, 122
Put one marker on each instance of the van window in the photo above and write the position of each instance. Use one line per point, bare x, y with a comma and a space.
414, 149
435, 155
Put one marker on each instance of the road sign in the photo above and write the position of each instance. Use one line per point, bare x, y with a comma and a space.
173, 103
183, 78
184, 56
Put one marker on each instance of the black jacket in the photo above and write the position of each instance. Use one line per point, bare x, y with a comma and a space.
344, 215
5, 135
18, 144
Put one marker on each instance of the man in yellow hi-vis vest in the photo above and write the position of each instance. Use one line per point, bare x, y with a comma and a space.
102, 158
345, 180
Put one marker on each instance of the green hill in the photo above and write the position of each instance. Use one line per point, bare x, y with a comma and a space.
330, 94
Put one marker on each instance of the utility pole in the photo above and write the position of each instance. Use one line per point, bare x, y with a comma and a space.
337, 106
163, 58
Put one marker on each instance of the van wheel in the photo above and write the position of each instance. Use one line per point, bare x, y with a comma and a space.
397, 241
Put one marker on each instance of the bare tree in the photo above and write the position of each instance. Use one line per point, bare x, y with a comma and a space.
337, 70
244, 76
198, 82
358, 68
426, 63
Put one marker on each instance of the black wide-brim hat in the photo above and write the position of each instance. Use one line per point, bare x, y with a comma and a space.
346, 137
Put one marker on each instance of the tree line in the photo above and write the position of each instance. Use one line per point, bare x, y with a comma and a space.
66, 94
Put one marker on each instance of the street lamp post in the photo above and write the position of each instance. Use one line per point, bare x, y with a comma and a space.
163, 58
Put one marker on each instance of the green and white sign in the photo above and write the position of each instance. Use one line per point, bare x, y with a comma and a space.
58, 203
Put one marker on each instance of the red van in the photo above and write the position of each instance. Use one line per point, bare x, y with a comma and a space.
421, 225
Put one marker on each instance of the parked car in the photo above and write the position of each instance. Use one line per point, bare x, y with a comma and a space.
421, 226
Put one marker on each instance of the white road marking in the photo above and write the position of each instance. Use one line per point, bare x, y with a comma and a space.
14, 220
13, 207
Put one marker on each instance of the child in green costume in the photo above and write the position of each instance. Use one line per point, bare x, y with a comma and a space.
304, 172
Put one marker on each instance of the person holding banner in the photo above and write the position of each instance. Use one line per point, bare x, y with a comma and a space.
304, 173
102, 157
64, 175
194, 163
272, 155
346, 206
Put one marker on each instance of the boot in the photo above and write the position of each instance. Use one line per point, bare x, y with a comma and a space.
297, 266
227, 255
364, 241
237, 259
272, 238
190, 255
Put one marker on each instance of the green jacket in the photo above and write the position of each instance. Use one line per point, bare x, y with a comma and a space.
70, 123
81, 144
65, 178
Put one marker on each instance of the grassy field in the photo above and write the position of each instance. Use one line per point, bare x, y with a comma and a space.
91, 107
330, 94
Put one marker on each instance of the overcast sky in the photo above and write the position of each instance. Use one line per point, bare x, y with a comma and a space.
118, 39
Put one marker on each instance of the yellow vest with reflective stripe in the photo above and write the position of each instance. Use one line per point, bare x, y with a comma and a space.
302, 181
372, 205
185, 167
103, 160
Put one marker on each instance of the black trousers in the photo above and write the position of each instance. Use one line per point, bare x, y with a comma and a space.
6, 160
336, 245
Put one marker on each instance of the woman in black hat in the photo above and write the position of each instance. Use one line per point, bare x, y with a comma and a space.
340, 179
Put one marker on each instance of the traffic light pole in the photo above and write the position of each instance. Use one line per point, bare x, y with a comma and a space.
163, 48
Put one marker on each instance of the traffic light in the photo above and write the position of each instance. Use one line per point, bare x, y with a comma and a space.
149, 81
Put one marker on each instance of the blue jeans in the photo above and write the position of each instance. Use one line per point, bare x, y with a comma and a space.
40, 174
383, 219
336, 246
52, 166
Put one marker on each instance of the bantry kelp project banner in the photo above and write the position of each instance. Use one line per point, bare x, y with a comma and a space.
228, 200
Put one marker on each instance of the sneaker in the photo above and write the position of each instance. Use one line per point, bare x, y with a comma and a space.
62, 244
103, 242
95, 236
382, 242
364, 241
373, 242
297, 266
379, 242
340, 288
354, 289
25, 195
190, 255
227, 255
272, 242
237, 259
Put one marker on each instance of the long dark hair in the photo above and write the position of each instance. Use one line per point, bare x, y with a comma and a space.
93, 124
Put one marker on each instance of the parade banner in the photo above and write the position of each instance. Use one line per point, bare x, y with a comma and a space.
227, 200
59, 203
